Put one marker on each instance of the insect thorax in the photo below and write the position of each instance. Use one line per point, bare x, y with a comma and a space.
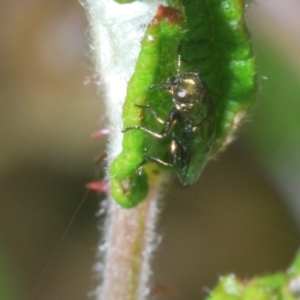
187, 89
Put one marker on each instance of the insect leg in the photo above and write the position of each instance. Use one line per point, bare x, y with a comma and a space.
157, 135
164, 85
196, 126
152, 112
158, 161
173, 117
148, 158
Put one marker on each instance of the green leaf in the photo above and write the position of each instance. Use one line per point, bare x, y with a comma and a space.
282, 285
156, 62
215, 42
218, 44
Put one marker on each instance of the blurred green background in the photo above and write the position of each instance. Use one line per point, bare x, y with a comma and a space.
242, 216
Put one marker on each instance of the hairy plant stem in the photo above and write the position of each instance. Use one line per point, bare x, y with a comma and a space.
129, 242
129, 236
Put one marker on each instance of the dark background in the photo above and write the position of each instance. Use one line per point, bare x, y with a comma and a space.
242, 216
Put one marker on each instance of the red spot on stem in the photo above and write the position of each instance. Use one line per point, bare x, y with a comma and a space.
101, 133
95, 79
170, 14
98, 186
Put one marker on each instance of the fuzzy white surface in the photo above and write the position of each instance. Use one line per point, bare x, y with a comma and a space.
116, 32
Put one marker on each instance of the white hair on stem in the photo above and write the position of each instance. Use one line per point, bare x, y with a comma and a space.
129, 238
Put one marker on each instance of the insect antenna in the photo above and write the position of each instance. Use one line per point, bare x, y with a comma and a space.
179, 60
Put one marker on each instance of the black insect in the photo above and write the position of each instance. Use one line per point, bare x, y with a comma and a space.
191, 124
